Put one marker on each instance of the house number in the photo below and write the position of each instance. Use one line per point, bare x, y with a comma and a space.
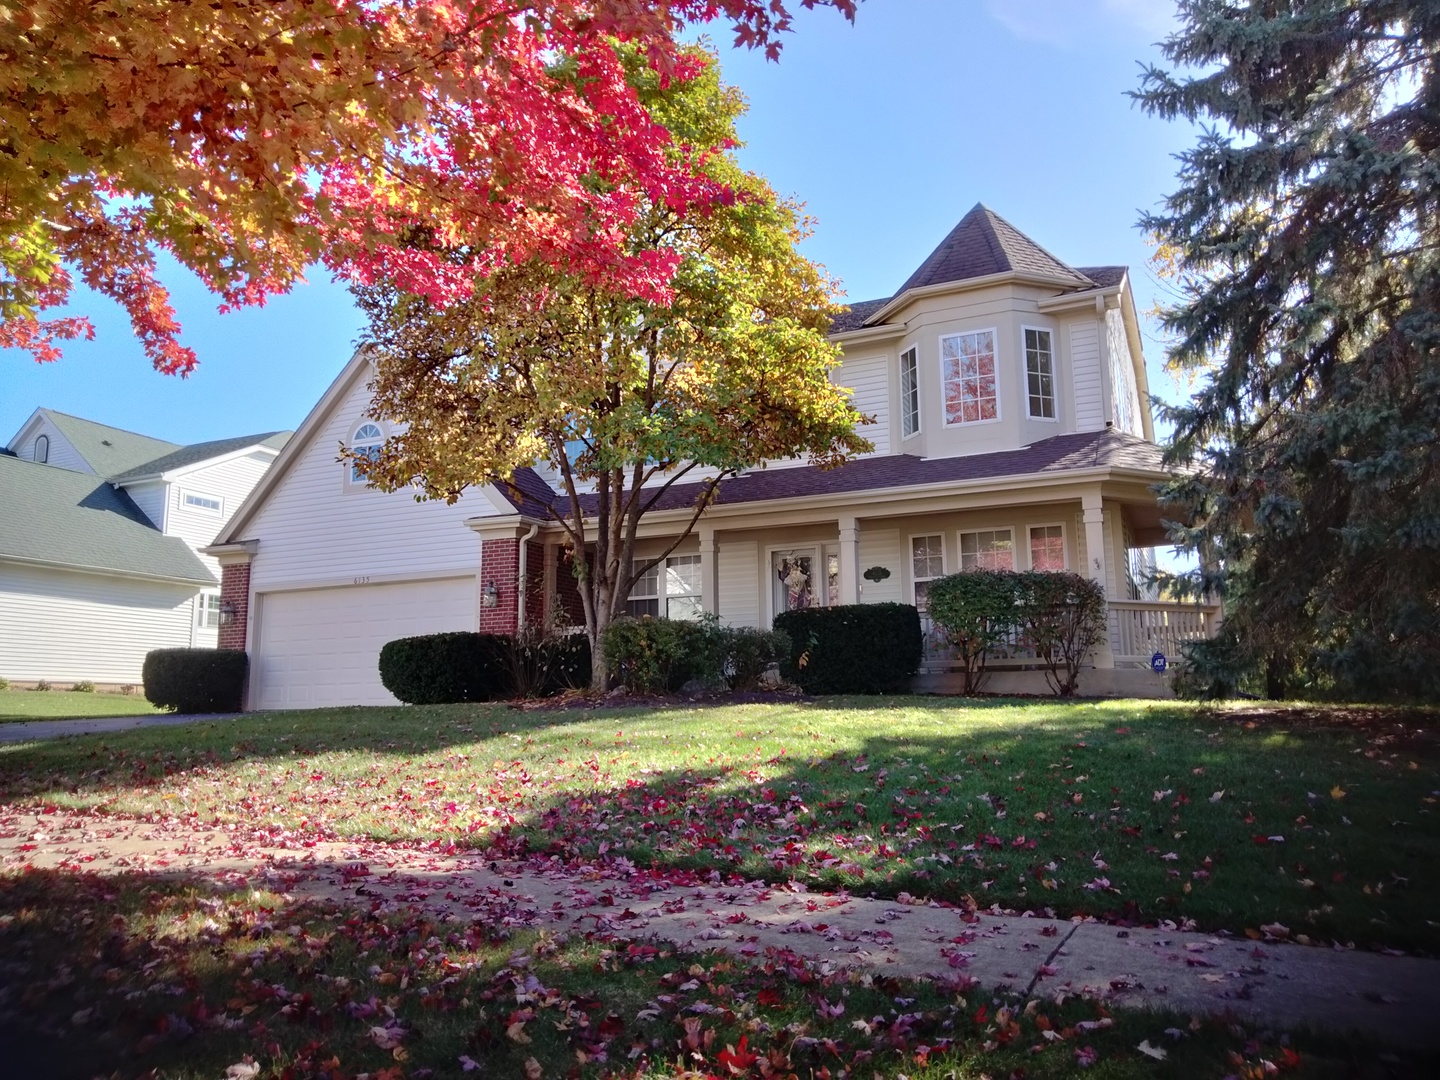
362, 581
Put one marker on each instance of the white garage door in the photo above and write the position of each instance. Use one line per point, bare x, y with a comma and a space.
321, 647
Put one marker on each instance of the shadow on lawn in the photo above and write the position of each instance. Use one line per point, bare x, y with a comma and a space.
1131, 812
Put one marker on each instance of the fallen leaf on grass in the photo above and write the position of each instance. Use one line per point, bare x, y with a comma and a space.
1156, 1052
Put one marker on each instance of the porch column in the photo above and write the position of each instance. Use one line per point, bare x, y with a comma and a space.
849, 561
1095, 558
707, 569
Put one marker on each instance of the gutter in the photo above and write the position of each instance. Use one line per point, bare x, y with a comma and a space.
524, 577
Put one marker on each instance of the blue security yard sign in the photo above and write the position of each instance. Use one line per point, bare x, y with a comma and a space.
1158, 663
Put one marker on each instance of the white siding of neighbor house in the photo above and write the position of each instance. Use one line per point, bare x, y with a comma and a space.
312, 530
62, 455
150, 498
738, 592
869, 379
1124, 395
880, 547
67, 627
1085, 363
230, 481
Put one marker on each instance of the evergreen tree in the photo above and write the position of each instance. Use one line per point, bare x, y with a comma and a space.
1307, 243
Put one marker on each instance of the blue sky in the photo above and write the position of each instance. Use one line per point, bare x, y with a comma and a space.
889, 130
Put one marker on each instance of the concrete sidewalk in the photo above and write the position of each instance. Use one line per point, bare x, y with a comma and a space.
33, 730
1394, 998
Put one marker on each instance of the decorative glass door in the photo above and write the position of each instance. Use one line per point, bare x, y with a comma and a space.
792, 576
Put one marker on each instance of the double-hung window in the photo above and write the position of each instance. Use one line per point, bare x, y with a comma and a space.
967, 366
909, 393
1039, 374
671, 589
1047, 547
207, 611
927, 562
989, 549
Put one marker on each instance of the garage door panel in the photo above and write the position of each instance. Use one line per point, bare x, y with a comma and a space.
321, 647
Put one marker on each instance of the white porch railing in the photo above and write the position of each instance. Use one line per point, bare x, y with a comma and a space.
1138, 630
1145, 627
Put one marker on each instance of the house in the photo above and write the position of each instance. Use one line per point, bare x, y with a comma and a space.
100, 538
1012, 429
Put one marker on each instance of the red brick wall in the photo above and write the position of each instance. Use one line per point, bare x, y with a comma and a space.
235, 591
567, 593
535, 612
500, 563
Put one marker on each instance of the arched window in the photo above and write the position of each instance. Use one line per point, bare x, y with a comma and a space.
42, 449
366, 443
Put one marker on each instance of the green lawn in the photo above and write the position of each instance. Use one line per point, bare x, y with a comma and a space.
167, 980
1321, 821
62, 703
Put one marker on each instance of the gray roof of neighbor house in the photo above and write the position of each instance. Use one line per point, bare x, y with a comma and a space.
532, 496
984, 243
110, 451
73, 519
197, 452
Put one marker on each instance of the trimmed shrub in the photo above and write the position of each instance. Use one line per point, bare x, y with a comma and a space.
852, 649
195, 680
1062, 619
442, 669
650, 656
747, 653
978, 609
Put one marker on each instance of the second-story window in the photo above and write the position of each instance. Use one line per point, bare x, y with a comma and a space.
967, 366
42, 449
196, 501
366, 443
909, 393
1039, 374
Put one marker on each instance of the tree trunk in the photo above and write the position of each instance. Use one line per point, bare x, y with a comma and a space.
599, 670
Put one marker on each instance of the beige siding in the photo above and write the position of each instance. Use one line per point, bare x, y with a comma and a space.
738, 594
880, 547
1124, 395
1085, 368
869, 379
313, 530
66, 627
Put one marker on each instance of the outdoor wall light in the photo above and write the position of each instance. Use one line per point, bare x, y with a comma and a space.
227, 613
490, 595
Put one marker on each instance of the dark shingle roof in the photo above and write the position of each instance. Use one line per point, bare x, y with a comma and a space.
984, 243
108, 450
855, 317
1062, 453
1107, 277
197, 452
66, 518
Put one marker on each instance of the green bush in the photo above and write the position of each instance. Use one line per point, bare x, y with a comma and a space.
1062, 619
4, 683
650, 656
442, 669
83, 687
852, 649
538, 663
42, 685
195, 680
978, 609
746, 654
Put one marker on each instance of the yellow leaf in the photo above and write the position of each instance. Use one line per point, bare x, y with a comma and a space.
1337, 792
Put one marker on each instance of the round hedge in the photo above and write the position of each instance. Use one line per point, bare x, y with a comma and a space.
195, 680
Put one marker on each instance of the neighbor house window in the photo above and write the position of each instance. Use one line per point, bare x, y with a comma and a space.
1039, 374
967, 364
207, 611
909, 393
42, 449
927, 562
991, 549
671, 590
211, 503
366, 443
1047, 547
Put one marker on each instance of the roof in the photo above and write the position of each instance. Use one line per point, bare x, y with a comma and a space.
1107, 277
66, 518
197, 452
854, 317
531, 496
110, 451
984, 243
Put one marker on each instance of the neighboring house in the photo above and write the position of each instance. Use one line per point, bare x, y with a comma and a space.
1012, 429
100, 538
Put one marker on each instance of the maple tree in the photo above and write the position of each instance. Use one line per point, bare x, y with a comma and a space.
249, 138
623, 394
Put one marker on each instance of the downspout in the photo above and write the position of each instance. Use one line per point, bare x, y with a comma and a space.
524, 577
